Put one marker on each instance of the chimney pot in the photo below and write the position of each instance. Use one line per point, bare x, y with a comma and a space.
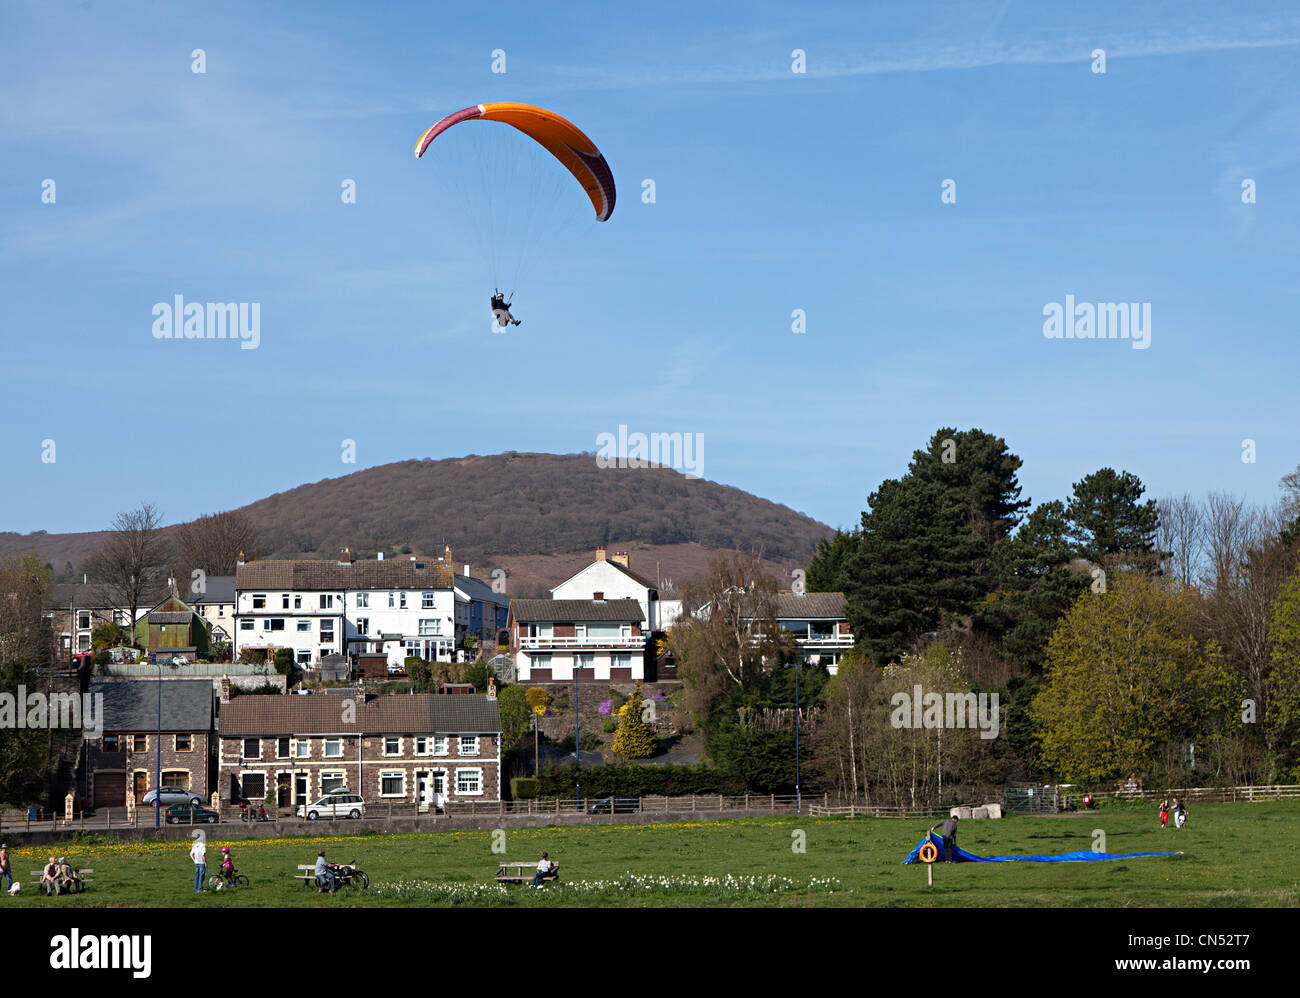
600, 553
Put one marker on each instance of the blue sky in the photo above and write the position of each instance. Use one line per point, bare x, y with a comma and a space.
775, 191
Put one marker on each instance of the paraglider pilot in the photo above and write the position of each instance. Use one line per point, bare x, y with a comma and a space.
948, 832
501, 311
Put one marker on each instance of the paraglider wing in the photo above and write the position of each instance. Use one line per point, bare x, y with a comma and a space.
560, 137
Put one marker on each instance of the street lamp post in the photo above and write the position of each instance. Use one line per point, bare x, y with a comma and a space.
157, 748
577, 752
798, 806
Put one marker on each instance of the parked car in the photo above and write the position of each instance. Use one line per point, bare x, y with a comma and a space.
615, 805
187, 814
172, 795
339, 804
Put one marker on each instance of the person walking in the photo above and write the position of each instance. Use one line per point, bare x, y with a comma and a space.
1164, 814
5, 869
199, 853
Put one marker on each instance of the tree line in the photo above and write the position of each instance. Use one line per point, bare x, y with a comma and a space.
1125, 638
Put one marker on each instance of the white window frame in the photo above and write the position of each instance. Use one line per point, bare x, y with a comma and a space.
363, 600
388, 754
422, 745
334, 741
441, 745
302, 748
388, 774
331, 774
470, 740
478, 775
428, 601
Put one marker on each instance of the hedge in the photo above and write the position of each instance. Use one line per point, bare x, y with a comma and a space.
634, 781
523, 787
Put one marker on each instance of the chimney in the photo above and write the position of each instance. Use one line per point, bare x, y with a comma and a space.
446, 557
241, 558
346, 557
598, 597
467, 571
600, 553
381, 556
85, 578
621, 558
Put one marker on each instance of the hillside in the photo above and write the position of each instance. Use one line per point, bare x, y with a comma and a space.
539, 516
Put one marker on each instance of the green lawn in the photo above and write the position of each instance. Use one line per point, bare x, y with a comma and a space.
1235, 855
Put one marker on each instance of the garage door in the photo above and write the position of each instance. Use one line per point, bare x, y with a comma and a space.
110, 790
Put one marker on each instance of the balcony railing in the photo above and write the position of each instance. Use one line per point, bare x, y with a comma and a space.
632, 641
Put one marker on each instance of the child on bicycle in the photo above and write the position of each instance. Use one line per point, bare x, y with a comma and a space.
227, 866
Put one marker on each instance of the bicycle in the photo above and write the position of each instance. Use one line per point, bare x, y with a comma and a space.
216, 879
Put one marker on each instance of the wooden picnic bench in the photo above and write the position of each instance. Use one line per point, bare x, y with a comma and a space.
85, 876
306, 873
519, 876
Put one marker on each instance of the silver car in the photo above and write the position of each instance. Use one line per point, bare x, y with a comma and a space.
338, 804
172, 795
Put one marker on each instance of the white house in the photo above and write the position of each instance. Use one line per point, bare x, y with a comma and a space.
398, 607
612, 579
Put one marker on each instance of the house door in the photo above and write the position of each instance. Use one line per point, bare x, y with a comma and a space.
282, 790
422, 791
300, 790
141, 786
438, 792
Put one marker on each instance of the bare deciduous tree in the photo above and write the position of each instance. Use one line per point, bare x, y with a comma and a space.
1181, 537
130, 558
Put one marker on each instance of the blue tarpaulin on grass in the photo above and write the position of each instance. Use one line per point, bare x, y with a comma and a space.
960, 855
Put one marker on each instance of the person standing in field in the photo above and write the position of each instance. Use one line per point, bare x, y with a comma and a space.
5, 870
199, 853
948, 831
1164, 814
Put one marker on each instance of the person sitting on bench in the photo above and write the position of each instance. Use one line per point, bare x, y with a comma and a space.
544, 868
50, 876
324, 875
68, 876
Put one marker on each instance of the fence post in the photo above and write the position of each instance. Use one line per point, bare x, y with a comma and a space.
746, 803
772, 806
692, 803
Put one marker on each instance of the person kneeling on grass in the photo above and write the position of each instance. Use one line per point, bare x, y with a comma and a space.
324, 875
544, 867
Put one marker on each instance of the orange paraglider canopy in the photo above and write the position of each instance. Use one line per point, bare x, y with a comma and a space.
560, 137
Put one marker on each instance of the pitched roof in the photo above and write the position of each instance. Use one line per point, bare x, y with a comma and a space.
635, 576
575, 610
480, 590
324, 714
395, 573
217, 589
132, 704
98, 595
171, 617
810, 606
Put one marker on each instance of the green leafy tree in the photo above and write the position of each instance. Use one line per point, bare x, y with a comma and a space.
828, 570
978, 473
1035, 587
478, 675
1110, 525
284, 661
421, 673
635, 738
915, 566
108, 635
1125, 679
516, 715
1282, 716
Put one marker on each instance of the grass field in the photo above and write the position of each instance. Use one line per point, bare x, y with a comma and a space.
1235, 855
